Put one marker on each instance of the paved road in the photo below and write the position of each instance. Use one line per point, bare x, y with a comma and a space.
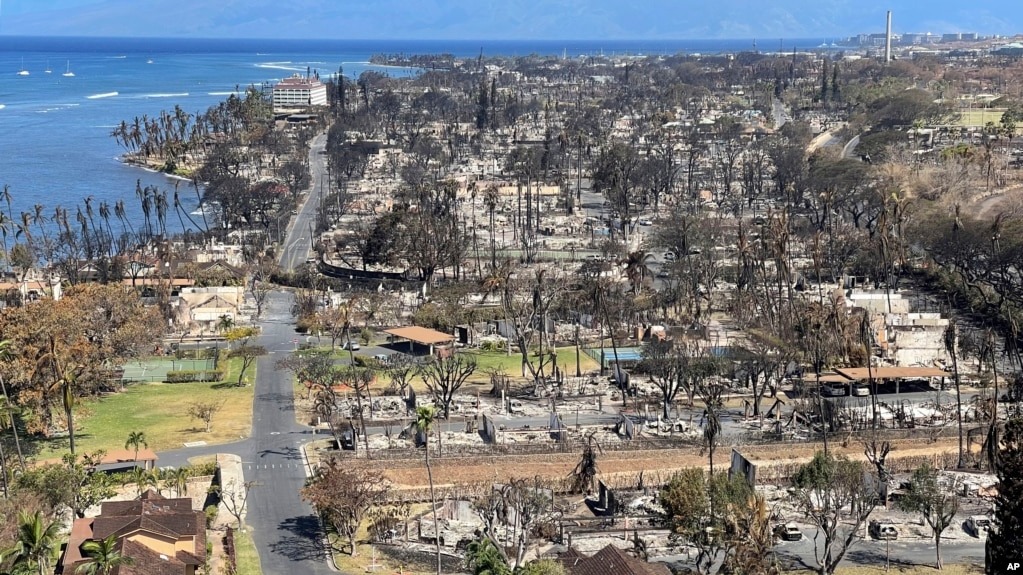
284, 528
296, 247
800, 554
779, 114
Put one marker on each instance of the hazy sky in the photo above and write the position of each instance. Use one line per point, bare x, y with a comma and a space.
502, 19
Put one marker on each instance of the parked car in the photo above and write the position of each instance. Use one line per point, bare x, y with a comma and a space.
860, 390
883, 530
835, 390
669, 256
787, 532
351, 345
646, 222
978, 525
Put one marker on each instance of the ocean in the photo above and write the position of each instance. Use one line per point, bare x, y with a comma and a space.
55, 143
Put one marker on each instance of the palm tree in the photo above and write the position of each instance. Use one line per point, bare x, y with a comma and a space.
136, 439
179, 479
103, 555
37, 539
637, 269
425, 418
143, 480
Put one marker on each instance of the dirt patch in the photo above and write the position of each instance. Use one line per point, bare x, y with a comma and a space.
656, 464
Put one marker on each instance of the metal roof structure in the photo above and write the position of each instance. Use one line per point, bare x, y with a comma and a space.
420, 335
861, 373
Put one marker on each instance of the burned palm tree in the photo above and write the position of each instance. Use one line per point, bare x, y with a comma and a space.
951, 337
586, 470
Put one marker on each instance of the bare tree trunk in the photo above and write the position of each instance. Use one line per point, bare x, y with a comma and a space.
14, 425
433, 504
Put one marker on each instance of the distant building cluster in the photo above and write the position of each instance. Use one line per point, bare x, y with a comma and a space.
916, 38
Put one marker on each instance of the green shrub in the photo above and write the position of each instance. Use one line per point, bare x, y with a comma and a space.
366, 336
202, 469
492, 345
368, 362
194, 376
211, 515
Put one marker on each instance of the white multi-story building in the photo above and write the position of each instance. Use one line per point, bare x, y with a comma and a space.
299, 92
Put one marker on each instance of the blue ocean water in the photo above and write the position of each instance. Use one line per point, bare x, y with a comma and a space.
55, 143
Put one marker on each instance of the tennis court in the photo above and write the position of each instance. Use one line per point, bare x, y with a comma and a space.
625, 355
156, 369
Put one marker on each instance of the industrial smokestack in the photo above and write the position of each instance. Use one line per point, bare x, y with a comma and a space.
888, 39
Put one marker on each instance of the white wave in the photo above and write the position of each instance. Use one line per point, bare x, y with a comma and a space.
56, 108
280, 66
220, 93
178, 95
103, 95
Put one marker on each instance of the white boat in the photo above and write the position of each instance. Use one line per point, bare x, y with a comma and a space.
48, 70
69, 73
149, 61
23, 71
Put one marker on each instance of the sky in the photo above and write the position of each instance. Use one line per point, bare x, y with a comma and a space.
502, 19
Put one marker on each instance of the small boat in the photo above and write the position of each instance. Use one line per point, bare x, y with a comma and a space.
149, 61
48, 70
23, 71
69, 73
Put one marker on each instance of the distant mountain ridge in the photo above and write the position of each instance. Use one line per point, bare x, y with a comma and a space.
508, 19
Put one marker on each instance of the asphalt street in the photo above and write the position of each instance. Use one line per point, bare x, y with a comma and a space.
285, 529
297, 247
800, 554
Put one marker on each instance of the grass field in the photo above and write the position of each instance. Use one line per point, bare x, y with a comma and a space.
248, 557
158, 410
512, 365
980, 117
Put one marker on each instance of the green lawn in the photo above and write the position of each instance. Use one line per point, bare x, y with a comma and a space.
512, 365
248, 558
980, 117
160, 411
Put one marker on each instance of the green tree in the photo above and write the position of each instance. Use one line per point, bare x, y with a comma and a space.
701, 510
425, 419
937, 503
136, 439
72, 483
248, 354
103, 556
834, 495
1005, 539
37, 540
484, 558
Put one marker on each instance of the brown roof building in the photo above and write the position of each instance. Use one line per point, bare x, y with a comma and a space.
162, 536
609, 561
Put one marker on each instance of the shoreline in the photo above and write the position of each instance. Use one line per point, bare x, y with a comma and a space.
151, 166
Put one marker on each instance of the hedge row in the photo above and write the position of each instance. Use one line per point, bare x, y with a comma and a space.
193, 376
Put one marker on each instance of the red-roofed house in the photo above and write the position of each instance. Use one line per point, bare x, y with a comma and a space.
162, 536
609, 561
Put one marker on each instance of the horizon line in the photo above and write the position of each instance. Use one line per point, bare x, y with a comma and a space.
519, 39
